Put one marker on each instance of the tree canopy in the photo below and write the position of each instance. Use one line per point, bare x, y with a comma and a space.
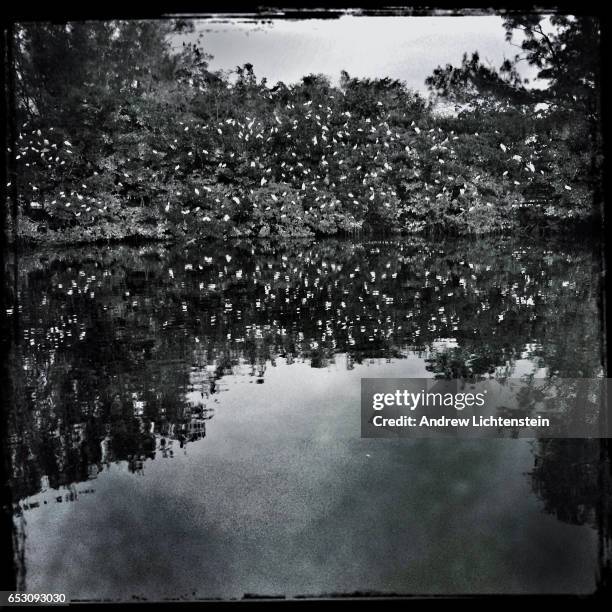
122, 133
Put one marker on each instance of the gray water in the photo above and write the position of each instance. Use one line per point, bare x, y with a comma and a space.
187, 420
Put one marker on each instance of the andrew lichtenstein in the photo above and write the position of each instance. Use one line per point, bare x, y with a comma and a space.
475, 421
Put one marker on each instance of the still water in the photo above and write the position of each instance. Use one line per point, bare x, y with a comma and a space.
187, 420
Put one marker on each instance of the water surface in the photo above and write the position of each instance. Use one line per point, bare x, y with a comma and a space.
187, 420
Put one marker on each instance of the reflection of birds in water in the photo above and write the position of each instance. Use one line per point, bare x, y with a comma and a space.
105, 445
320, 277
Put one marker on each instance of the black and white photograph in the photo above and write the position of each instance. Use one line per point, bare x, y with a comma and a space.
304, 304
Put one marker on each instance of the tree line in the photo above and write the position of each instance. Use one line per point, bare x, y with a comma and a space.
120, 135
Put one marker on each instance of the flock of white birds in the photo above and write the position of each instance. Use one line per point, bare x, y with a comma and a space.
315, 158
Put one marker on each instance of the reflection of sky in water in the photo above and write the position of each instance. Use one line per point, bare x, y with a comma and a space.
283, 496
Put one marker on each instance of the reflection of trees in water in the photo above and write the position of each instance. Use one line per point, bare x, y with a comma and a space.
572, 476
566, 477
573, 479
123, 350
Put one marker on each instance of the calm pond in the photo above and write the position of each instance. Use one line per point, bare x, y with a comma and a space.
187, 420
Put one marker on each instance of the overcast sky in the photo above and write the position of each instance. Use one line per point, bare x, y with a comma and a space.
406, 48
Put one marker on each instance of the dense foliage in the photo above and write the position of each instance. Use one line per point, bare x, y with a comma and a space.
121, 136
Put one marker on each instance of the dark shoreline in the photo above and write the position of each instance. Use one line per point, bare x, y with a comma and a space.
584, 230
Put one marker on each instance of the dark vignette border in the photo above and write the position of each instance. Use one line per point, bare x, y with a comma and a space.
9, 258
